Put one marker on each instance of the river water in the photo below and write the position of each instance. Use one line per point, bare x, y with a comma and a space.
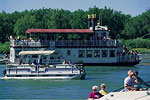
112, 76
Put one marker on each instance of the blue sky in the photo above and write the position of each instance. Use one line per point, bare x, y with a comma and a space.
132, 7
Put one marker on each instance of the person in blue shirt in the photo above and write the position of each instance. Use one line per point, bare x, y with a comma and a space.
129, 82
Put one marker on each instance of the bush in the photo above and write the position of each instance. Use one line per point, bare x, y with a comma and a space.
136, 43
4, 47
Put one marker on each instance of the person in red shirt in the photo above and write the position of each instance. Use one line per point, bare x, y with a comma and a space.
94, 95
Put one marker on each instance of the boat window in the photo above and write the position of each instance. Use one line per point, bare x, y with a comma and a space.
112, 53
81, 53
68, 52
25, 56
104, 53
51, 57
89, 53
44, 57
96, 53
34, 56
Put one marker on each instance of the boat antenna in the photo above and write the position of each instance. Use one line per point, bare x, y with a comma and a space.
101, 19
136, 39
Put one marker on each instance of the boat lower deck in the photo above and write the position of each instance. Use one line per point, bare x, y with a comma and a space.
46, 76
38, 72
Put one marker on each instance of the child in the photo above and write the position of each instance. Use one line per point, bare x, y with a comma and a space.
103, 91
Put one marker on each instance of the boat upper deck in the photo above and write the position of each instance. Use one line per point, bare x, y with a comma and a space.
66, 38
64, 43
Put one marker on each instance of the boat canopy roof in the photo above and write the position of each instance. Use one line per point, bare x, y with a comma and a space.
36, 52
59, 31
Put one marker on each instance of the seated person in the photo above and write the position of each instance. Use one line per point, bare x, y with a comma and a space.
29, 62
140, 81
69, 62
94, 95
40, 63
129, 82
103, 91
64, 62
34, 63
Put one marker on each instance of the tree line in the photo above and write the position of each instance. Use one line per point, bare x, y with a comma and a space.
121, 26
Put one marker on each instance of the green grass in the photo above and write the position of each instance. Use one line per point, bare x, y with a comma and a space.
144, 63
142, 50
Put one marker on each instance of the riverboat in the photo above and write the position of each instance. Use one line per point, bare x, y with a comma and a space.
91, 46
43, 70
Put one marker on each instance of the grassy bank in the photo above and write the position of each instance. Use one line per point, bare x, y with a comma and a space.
142, 50
137, 43
144, 64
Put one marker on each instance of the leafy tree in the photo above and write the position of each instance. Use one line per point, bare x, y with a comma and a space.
137, 26
78, 19
24, 23
6, 26
121, 26
59, 19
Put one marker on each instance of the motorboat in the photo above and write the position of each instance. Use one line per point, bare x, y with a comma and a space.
60, 71
131, 95
44, 69
3, 60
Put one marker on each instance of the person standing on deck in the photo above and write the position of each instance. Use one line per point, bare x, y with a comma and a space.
6, 55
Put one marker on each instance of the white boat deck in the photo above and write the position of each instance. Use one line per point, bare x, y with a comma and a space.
133, 95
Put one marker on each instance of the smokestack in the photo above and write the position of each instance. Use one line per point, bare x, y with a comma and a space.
93, 22
89, 21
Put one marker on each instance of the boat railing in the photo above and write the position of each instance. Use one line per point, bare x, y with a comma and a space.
128, 58
62, 43
16, 65
84, 43
31, 43
52, 61
50, 65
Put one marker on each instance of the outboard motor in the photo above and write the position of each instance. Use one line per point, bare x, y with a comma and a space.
148, 92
